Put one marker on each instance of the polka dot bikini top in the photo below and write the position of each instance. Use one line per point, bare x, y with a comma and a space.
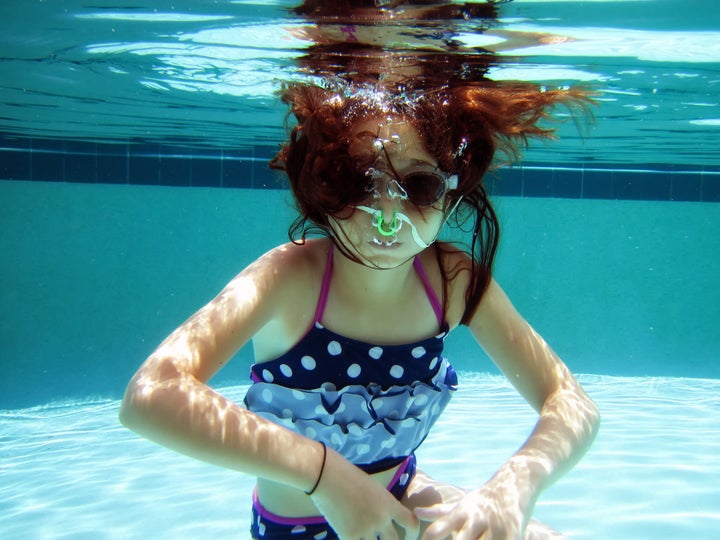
373, 404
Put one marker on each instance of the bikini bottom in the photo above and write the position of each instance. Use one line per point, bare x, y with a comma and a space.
266, 525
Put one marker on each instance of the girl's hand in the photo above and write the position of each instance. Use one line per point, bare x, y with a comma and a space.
493, 512
358, 507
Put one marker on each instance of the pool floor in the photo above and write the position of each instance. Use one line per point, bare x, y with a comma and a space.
69, 470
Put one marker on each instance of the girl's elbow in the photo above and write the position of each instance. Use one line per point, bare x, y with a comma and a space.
146, 390
592, 415
129, 413
137, 403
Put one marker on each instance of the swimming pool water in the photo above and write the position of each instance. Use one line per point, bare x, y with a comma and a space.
606, 248
69, 470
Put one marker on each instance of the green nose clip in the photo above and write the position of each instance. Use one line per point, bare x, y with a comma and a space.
387, 229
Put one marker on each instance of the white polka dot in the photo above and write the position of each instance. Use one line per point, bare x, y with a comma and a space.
320, 410
375, 353
318, 325
362, 449
261, 528
433, 362
377, 403
404, 477
418, 352
396, 371
298, 529
267, 396
355, 430
308, 362
389, 443
354, 371
421, 400
297, 394
287, 413
321, 535
310, 432
341, 408
336, 440
286, 370
334, 348
441, 335
267, 376
328, 387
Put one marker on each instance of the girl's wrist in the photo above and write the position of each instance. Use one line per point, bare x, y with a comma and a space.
516, 475
312, 490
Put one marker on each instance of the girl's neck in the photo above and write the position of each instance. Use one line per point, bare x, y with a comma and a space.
370, 283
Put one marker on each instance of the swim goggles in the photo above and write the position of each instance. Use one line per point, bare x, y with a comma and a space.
419, 186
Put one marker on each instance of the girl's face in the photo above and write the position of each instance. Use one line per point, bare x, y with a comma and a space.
402, 210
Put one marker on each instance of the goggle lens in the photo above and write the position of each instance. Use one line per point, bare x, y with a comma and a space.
423, 188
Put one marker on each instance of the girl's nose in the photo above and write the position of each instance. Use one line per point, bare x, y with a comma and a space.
391, 194
387, 207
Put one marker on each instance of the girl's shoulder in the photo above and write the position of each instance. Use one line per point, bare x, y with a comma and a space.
296, 260
291, 268
287, 282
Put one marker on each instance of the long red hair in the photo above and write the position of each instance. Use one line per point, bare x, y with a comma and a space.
469, 127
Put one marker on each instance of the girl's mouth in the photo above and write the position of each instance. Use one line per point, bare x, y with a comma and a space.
385, 242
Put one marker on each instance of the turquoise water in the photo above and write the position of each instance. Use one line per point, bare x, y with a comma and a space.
96, 276
610, 247
70, 471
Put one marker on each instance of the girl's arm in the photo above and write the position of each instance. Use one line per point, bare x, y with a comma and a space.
168, 402
567, 425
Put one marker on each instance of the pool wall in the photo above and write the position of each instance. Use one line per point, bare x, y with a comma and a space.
94, 276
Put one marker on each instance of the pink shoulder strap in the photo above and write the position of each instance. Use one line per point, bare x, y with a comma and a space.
325, 288
432, 297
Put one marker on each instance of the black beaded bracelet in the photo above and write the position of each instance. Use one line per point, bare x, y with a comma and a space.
322, 468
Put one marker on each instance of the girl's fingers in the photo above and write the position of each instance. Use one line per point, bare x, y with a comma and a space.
431, 513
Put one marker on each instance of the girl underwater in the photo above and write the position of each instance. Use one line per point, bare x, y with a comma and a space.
348, 326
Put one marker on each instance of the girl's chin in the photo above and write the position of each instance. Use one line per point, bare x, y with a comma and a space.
385, 255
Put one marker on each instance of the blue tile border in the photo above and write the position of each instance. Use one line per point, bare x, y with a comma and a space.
148, 163
648, 183
135, 163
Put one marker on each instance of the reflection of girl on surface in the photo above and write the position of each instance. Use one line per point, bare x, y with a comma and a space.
348, 329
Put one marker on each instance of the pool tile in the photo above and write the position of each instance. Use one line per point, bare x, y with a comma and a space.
597, 184
237, 172
112, 168
538, 183
711, 188
175, 170
507, 182
206, 171
48, 166
639, 185
15, 165
81, 168
567, 183
686, 187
